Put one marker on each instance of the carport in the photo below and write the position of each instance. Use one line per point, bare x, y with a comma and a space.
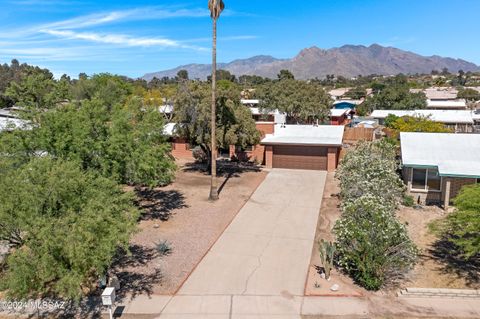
312, 147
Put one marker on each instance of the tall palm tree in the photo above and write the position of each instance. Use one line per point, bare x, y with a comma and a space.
216, 7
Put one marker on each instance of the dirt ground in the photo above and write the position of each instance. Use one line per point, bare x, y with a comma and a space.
181, 217
438, 266
330, 212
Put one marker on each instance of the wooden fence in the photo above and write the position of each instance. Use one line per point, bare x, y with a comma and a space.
355, 134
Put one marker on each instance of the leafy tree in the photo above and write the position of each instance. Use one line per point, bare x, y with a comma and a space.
371, 169
34, 90
417, 124
463, 225
303, 102
469, 95
126, 143
223, 75
234, 122
285, 75
63, 226
394, 96
182, 75
357, 93
373, 247
390, 120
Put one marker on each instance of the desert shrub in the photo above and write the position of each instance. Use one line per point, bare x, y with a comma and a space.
408, 201
63, 226
199, 155
462, 227
371, 168
373, 246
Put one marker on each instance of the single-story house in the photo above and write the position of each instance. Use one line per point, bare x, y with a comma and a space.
437, 165
339, 116
458, 120
314, 147
446, 104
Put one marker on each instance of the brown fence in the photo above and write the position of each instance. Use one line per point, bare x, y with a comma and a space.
355, 134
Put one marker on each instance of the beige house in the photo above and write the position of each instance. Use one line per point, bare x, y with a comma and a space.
437, 165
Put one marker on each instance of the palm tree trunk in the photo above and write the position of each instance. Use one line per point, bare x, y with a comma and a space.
213, 184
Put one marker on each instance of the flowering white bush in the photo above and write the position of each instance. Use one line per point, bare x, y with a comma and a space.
371, 168
372, 245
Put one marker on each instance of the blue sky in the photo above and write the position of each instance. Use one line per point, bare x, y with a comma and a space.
135, 37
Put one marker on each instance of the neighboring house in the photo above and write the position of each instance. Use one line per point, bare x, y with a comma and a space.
338, 94
180, 147
461, 121
314, 147
447, 104
437, 165
340, 116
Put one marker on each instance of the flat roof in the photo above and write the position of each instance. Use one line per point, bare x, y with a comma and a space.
460, 104
249, 101
442, 116
321, 135
339, 112
455, 155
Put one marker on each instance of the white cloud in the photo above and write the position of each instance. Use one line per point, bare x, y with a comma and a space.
125, 15
120, 39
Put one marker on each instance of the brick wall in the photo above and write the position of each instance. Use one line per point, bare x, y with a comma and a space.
181, 149
424, 197
332, 160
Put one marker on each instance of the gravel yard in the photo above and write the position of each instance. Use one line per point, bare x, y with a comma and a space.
180, 225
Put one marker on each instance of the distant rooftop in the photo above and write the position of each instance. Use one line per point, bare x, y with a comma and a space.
451, 104
442, 116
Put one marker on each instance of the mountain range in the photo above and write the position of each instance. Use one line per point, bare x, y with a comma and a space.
348, 61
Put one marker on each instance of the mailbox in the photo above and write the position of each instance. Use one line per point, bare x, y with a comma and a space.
108, 296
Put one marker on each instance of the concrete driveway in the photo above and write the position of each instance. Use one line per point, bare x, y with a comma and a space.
259, 264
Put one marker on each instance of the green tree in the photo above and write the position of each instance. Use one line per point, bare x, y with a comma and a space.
417, 124
285, 75
463, 225
63, 225
182, 75
469, 95
395, 95
357, 93
234, 122
125, 143
302, 101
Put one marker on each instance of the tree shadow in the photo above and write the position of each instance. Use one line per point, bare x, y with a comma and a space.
133, 284
224, 168
137, 256
159, 204
449, 256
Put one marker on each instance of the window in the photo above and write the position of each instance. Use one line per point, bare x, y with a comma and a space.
426, 179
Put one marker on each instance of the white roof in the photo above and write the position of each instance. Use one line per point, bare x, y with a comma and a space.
249, 101
339, 112
453, 154
8, 124
258, 111
169, 129
338, 92
442, 116
460, 104
306, 135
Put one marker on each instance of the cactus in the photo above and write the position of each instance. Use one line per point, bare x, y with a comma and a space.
327, 253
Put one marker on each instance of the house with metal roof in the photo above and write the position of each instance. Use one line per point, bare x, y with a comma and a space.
460, 121
437, 165
314, 147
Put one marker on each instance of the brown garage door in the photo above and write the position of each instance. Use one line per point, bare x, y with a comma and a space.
300, 157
